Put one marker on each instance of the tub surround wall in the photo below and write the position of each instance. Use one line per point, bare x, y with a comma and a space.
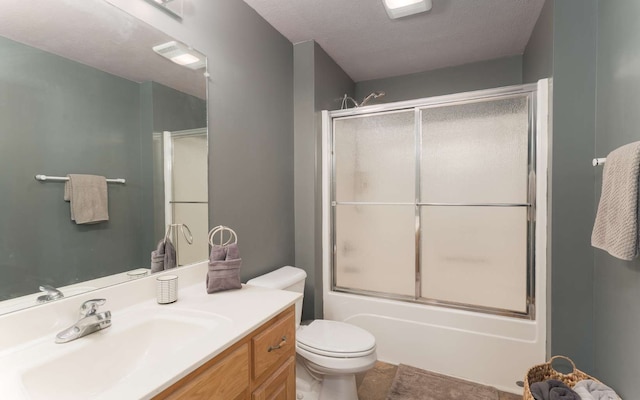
319, 85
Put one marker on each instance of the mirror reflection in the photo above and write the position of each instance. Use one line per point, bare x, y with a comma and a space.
94, 99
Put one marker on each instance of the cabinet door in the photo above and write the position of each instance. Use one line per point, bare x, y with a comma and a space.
227, 378
279, 386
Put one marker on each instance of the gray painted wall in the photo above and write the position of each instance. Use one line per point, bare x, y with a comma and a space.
574, 69
319, 84
59, 117
537, 60
463, 78
616, 282
250, 123
331, 83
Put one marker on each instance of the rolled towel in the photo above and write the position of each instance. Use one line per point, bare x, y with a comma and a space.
552, 389
589, 389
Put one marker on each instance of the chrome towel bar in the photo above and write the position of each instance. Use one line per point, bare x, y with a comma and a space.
598, 161
44, 178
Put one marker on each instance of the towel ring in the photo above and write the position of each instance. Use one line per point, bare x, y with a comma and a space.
188, 238
233, 237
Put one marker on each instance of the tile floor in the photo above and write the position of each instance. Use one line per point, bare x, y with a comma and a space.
375, 383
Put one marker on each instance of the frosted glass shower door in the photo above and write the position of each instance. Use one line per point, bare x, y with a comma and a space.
474, 174
431, 203
374, 200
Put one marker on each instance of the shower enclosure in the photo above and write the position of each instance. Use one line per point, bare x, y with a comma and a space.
180, 172
435, 228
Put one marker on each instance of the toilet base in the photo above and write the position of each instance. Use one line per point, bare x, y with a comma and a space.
341, 387
327, 387
307, 387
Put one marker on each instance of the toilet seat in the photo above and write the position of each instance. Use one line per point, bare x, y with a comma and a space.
335, 339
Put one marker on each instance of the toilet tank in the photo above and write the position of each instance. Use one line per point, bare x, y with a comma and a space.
285, 278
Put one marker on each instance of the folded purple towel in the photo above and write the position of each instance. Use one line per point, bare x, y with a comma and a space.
224, 268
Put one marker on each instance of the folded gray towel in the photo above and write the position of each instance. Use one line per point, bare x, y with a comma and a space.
224, 268
616, 226
552, 389
163, 257
88, 198
589, 389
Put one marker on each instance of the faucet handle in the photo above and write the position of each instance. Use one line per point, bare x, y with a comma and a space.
90, 307
51, 294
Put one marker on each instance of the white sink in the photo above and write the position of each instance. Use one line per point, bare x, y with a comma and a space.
90, 366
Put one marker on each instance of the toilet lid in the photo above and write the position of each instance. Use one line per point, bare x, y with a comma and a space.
335, 338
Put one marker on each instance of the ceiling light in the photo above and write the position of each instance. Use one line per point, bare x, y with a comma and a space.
403, 8
181, 54
172, 7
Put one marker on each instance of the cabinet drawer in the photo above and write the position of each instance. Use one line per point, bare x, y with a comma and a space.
273, 345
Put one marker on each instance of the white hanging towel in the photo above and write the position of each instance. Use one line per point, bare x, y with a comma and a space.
616, 226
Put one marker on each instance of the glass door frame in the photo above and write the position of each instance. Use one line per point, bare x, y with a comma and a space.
530, 91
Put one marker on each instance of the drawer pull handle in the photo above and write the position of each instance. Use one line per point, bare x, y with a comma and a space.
282, 343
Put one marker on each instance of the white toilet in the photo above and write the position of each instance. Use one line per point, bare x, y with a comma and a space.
329, 353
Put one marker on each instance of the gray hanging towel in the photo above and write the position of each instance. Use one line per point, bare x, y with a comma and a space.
163, 257
170, 258
616, 226
87, 195
224, 268
157, 258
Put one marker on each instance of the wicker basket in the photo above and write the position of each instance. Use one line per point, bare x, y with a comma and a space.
542, 372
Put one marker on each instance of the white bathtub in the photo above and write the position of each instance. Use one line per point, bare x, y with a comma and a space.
487, 349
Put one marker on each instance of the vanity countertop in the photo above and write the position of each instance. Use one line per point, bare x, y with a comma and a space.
137, 360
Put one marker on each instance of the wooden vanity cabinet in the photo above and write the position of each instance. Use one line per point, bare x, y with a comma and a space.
260, 366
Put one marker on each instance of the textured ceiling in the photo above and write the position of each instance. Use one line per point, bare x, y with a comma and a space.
96, 33
360, 37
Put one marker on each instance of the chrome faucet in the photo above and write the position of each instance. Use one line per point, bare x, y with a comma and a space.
51, 293
90, 321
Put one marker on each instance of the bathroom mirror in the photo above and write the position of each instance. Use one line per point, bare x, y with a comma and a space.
82, 92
